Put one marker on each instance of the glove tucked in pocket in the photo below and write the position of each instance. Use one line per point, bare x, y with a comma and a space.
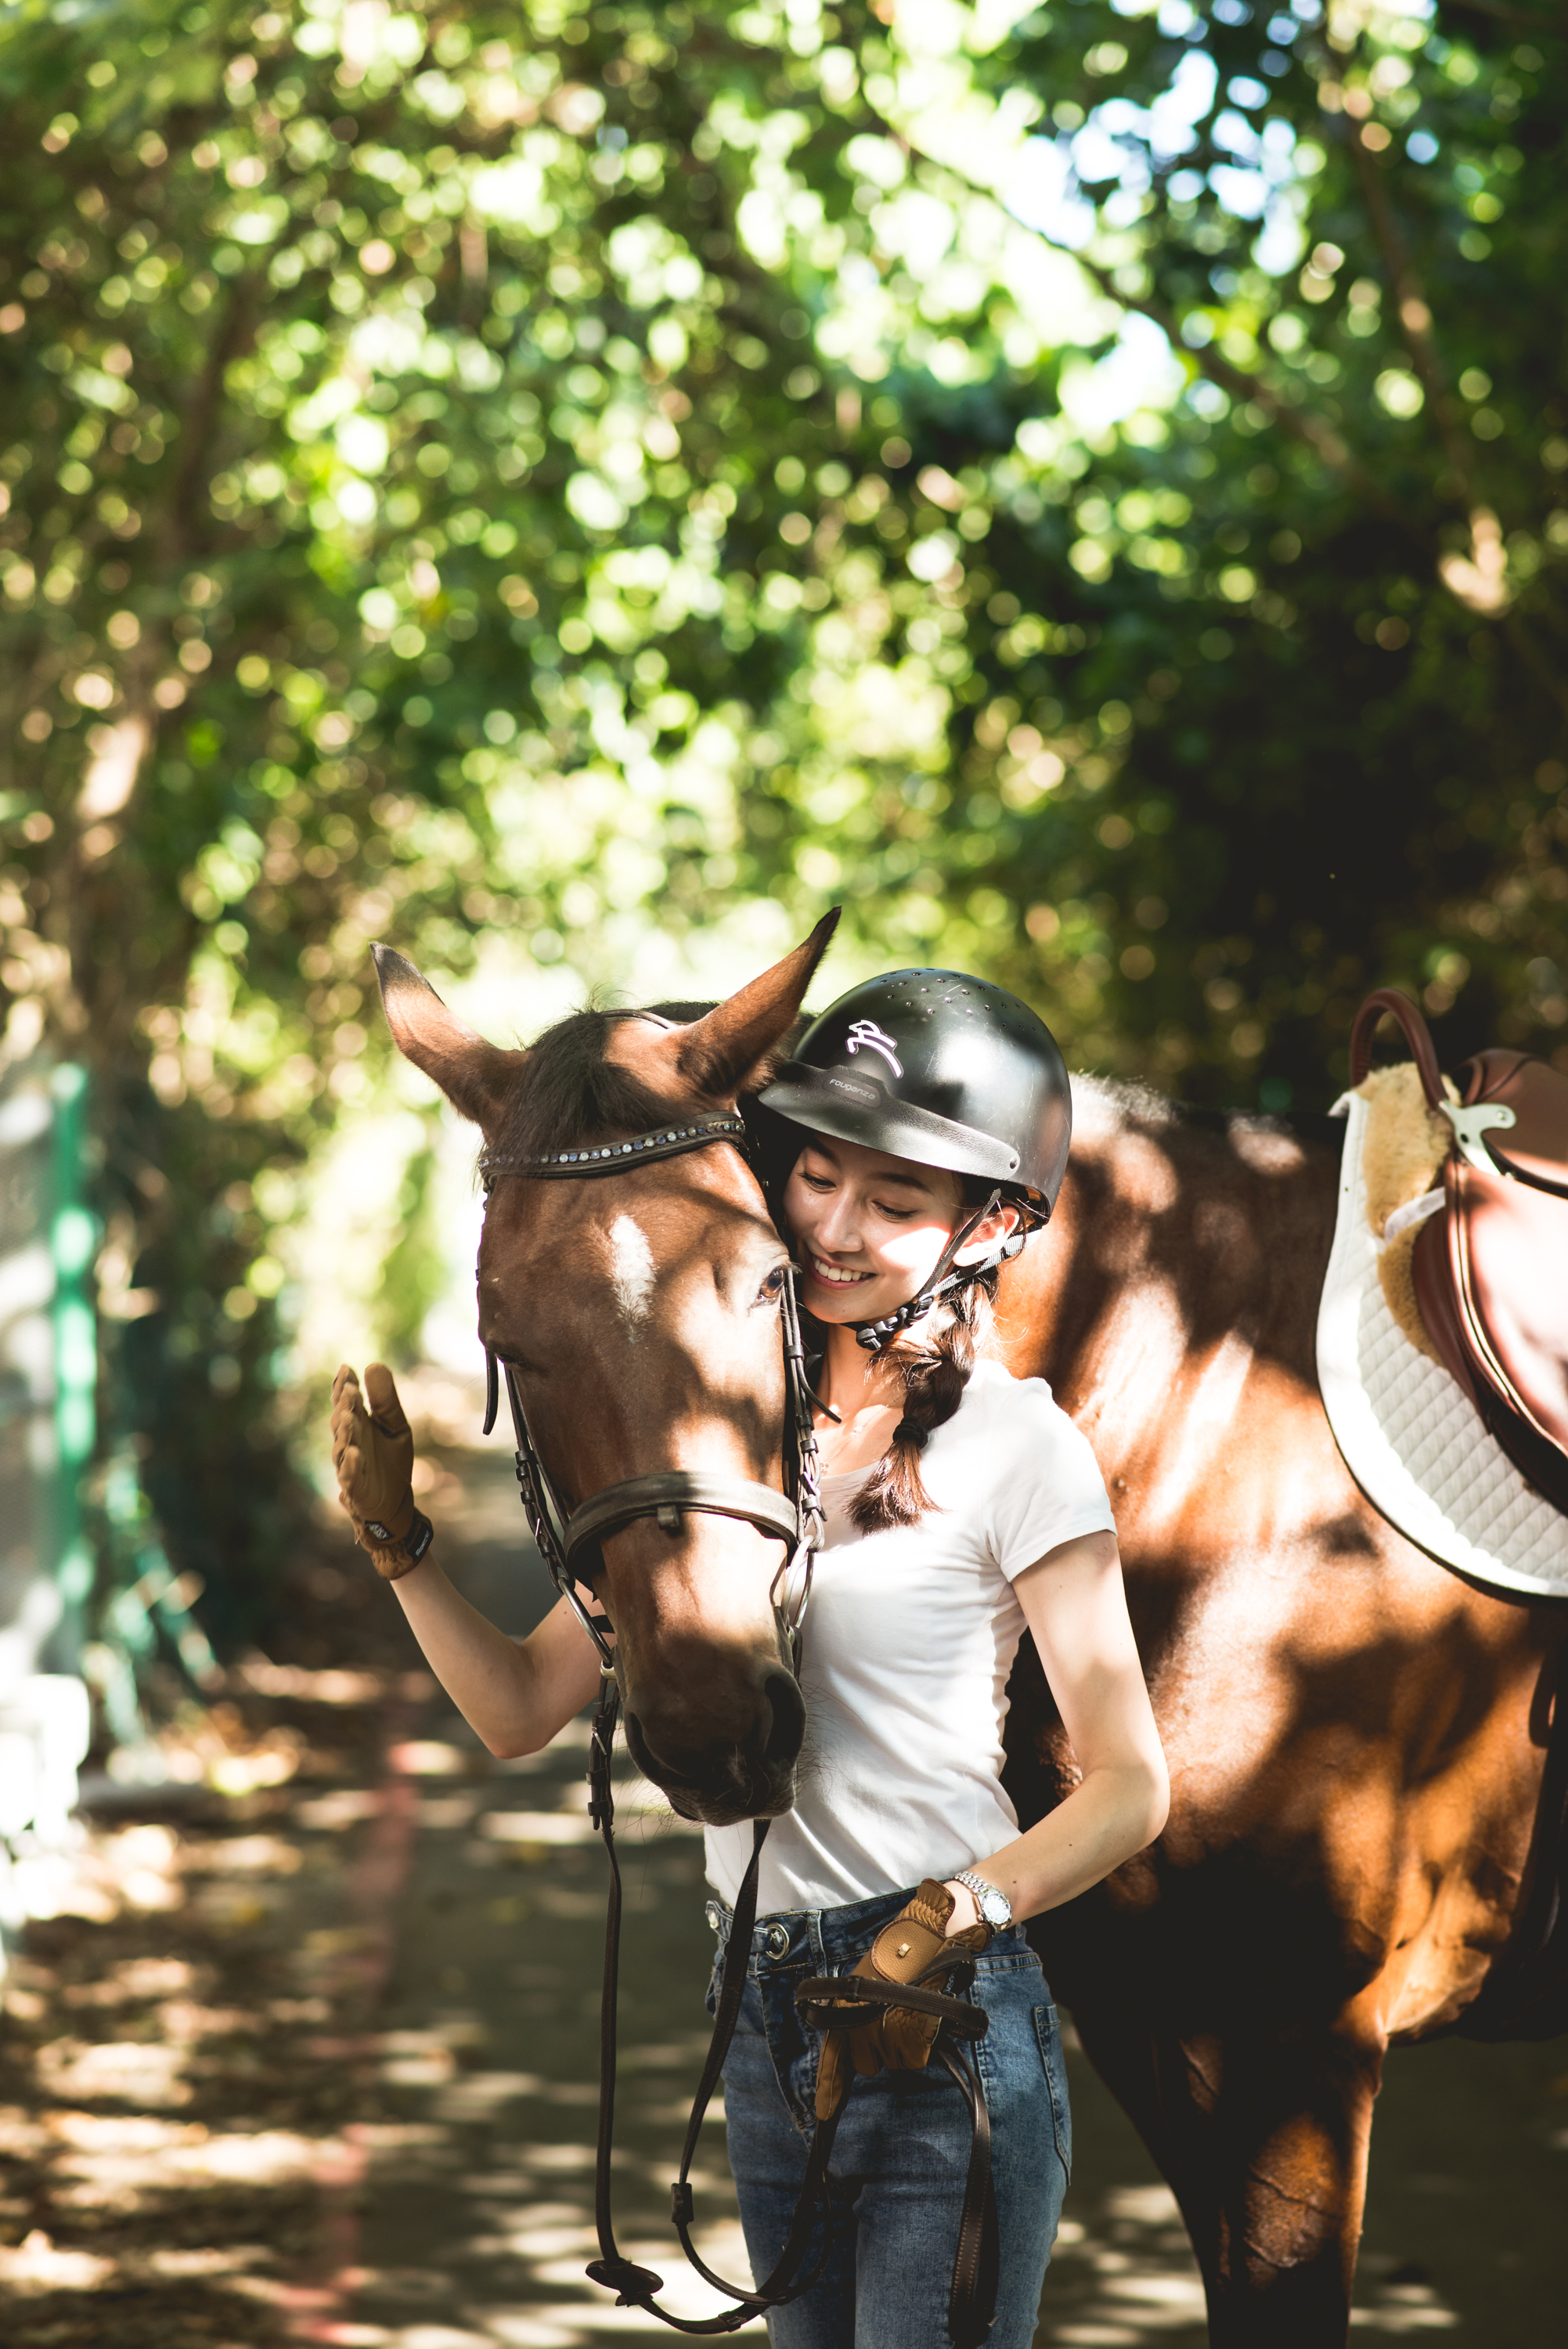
911, 1949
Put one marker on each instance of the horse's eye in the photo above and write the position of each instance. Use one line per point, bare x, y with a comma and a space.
773, 1287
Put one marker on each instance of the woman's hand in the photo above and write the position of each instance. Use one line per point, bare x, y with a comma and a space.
373, 1451
965, 1911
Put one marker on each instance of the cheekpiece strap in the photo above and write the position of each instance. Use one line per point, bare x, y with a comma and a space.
874, 1336
616, 1157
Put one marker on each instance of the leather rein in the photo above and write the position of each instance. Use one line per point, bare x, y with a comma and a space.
563, 1535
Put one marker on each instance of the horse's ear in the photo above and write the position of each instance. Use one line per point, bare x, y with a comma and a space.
727, 1052
475, 1077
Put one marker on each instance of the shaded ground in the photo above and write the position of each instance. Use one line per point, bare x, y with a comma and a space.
317, 2061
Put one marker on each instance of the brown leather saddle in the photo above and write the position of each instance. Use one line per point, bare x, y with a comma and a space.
1491, 1268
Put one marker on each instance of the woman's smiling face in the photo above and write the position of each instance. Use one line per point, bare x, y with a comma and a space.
870, 1227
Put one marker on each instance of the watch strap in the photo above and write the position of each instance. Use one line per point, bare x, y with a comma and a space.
983, 1889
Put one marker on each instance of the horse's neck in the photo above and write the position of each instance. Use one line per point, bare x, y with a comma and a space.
1181, 1262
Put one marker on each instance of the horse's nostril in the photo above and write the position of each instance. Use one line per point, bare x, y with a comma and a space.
788, 1725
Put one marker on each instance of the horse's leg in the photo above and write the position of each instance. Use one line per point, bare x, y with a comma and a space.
1294, 2129
1264, 2139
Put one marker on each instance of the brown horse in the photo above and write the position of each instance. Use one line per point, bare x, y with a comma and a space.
1355, 1736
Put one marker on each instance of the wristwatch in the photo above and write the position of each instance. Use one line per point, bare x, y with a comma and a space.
995, 1909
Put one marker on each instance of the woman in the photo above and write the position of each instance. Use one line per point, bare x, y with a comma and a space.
920, 1135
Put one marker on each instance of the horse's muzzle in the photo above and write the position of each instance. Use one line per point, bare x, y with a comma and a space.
742, 1771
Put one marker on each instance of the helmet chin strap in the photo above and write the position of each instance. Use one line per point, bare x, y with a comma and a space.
942, 1280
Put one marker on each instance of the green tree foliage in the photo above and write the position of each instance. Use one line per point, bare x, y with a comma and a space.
1080, 486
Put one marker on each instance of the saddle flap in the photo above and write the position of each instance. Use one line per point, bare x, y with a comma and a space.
1534, 1149
1509, 1255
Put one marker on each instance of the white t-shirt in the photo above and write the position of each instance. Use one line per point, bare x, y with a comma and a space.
910, 1638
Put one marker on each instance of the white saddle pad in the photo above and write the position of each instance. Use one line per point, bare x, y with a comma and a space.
1408, 1435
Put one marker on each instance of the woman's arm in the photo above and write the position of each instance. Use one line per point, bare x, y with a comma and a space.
516, 1693
1075, 1603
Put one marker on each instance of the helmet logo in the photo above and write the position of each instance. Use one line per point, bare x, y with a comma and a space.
876, 1040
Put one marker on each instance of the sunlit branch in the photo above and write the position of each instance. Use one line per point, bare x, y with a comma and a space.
1413, 309
201, 422
1313, 432
1481, 583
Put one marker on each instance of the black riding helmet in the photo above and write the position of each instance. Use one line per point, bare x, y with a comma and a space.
948, 1070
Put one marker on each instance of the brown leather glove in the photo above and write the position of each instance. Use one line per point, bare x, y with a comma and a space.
373, 1451
897, 2039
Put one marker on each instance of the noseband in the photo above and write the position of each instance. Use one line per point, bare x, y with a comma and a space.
562, 1534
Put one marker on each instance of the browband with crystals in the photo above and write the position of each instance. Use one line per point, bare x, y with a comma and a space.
613, 1157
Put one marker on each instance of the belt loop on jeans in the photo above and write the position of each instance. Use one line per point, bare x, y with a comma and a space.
720, 1917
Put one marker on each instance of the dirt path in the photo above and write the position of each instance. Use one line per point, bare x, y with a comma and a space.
310, 2055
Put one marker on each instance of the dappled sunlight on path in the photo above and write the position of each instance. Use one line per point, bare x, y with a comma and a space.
479, 2212
181, 2076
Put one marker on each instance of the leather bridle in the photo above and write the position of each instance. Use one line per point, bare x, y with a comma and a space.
564, 1537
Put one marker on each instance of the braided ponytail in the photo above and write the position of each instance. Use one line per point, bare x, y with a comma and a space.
933, 1365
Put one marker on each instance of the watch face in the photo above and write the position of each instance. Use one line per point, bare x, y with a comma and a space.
995, 1907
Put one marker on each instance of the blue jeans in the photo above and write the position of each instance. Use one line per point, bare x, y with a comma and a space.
903, 2148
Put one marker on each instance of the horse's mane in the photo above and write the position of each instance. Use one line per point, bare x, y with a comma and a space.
1121, 1101
1121, 1105
568, 1093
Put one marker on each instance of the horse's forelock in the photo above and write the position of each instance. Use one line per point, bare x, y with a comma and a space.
568, 1094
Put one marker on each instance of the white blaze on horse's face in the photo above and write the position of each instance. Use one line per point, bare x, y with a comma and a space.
631, 1273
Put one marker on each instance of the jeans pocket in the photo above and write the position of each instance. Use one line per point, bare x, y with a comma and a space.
1056, 2071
